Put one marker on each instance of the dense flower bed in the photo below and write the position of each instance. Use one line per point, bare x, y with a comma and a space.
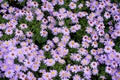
59, 40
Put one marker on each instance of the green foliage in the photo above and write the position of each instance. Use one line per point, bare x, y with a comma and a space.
2, 20
7, 37
34, 26
48, 55
80, 33
117, 44
4, 79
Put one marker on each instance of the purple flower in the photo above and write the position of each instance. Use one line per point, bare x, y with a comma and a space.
108, 49
72, 5
95, 71
108, 69
9, 73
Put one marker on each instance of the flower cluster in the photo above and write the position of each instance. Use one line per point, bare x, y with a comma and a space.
43, 46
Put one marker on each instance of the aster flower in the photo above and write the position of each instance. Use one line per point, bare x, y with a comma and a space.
50, 43
61, 61
94, 64
102, 58
9, 73
75, 57
95, 44
21, 58
84, 62
39, 17
83, 51
9, 61
117, 56
74, 68
40, 79
42, 71
91, 22
95, 71
110, 43
75, 28
101, 33
23, 26
88, 56
114, 64
61, 16
2, 26
67, 37
44, 8
108, 69
93, 51
61, 23
107, 36
12, 54
17, 68
108, 49
53, 73
29, 14
50, 7
51, 27
34, 46
49, 62
29, 17
87, 71
11, 9
51, 19
34, 4
73, 44
64, 74
60, 2
117, 33
68, 67
85, 44
1, 54
11, 26
43, 26
85, 38
75, 20
5, 5
107, 15
28, 63
80, 5
43, 33
4, 67
103, 77
9, 31
35, 67
95, 37
55, 39
54, 2
29, 34
22, 75
111, 56
56, 57
76, 77
47, 76
65, 31
72, 5
44, 21
47, 47
18, 32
